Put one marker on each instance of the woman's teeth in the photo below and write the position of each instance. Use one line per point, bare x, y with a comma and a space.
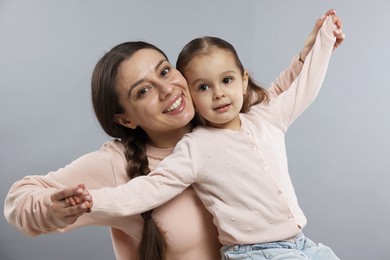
174, 105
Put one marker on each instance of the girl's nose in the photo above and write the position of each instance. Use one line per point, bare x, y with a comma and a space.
218, 93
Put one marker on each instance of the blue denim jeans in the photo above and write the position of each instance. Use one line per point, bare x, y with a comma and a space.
301, 248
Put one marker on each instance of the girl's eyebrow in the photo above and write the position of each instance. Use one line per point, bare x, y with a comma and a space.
138, 82
204, 79
195, 82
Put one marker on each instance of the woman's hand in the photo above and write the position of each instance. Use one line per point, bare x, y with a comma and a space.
338, 33
68, 204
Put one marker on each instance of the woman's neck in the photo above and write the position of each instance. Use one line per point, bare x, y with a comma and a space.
168, 139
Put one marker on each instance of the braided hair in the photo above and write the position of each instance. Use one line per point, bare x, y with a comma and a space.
105, 101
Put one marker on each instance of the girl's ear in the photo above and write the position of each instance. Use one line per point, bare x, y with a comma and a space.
245, 80
124, 121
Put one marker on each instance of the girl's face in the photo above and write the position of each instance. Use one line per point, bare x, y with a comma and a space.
217, 88
153, 94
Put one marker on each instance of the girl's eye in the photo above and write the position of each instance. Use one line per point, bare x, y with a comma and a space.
203, 87
227, 80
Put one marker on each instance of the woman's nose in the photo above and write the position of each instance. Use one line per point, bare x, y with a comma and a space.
165, 90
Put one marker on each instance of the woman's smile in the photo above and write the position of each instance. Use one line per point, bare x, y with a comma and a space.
178, 104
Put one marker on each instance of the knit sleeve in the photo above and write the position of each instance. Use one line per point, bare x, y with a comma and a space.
285, 78
27, 204
286, 107
172, 176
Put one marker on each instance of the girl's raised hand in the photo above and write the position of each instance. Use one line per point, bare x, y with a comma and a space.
338, 33
340, 36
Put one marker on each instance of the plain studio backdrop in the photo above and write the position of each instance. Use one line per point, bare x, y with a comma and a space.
338, 149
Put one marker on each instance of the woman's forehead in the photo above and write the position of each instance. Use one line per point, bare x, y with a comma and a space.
146, 56
141, 64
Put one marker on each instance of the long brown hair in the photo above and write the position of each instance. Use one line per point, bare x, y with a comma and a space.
205, 45
106, 104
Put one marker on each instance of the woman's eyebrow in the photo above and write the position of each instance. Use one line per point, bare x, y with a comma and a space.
134, 85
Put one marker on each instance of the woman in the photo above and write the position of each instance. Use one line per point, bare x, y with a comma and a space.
37, 204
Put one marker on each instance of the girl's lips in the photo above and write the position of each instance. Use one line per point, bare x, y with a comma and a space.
222, 107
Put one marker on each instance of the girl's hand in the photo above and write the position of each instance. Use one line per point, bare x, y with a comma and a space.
68, 204
338, 33
340, 36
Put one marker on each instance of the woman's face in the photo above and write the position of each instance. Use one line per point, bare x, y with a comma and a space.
153, 94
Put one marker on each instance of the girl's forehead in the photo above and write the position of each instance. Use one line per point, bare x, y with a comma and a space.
211, 66
217, 56
213, 60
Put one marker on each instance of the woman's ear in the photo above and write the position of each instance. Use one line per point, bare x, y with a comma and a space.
124, 121
245, 80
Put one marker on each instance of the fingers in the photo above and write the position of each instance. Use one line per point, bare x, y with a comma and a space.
79, 208
71, 205
339, 39
67, 213
71, 214
319, 22
67, 192
337, 21
68, 204
74, 200
338, 32
70, 201
331, 12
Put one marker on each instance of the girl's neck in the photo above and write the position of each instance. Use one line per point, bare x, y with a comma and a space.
168, 139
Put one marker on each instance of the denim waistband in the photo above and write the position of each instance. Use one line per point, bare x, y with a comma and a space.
298, 243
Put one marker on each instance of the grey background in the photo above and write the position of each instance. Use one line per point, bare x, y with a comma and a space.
338, 149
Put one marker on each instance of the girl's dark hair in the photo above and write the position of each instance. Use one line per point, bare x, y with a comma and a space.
206, 45
105, 101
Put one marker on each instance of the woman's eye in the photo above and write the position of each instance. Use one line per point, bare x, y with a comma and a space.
203, 87
142, 92
165, 71
227, 80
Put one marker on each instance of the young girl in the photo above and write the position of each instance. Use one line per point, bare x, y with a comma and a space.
236, 162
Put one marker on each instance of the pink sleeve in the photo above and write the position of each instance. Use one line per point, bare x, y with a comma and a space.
150, 191
286, 107
27, 204
286, 78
